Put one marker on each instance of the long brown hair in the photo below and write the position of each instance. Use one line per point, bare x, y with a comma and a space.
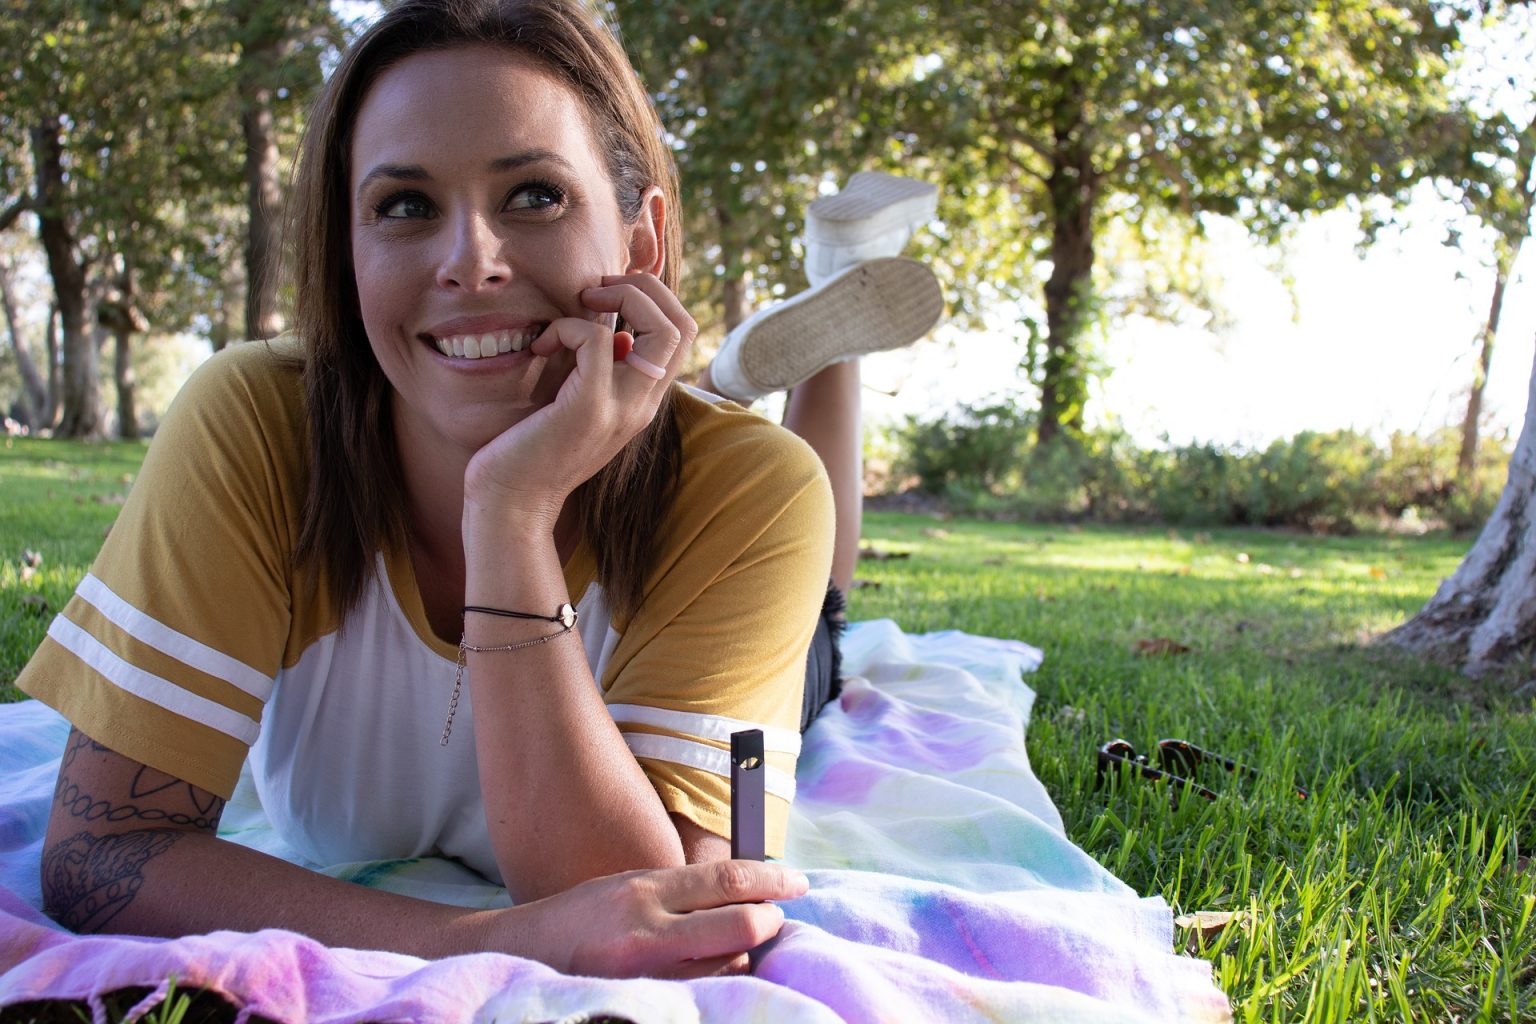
355, 502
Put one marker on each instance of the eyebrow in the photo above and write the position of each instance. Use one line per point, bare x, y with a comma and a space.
415, 172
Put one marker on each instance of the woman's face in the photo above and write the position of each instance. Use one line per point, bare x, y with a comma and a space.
480, 210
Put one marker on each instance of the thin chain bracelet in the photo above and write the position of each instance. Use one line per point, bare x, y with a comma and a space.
458, 677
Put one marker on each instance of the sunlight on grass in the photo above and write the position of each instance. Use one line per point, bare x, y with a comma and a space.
1399, 890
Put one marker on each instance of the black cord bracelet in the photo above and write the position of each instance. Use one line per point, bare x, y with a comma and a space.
565, 615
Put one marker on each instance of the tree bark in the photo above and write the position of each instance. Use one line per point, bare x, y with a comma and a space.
1073, 187
117, 313
81, 388
1484, 616
1466, 460
733, 288
264, 209
55, 386
34, 392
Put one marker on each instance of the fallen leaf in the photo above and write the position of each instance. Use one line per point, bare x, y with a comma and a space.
111, 499
1205, 925
35, 603
1242, 556
867, 584
999, 560
1265, 570
126, 478
1157, 646
937, 533
1295, 574
1378, 573
880, 554
31, 559
27, 572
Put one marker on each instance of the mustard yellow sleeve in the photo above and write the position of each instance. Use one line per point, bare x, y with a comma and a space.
720, 641
168, 649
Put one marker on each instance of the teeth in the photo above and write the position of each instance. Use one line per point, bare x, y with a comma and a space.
483, 346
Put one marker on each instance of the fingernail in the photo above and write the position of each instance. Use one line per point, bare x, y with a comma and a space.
798, 879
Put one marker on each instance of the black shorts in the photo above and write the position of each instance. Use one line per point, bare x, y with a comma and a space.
824, 661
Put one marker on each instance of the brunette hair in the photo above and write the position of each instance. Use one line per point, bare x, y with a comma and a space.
354, 505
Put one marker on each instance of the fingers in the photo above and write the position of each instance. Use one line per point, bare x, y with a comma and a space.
724, 932
724, 882
709, 967
662, 328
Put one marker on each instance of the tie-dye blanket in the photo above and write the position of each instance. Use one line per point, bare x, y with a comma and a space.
942, 889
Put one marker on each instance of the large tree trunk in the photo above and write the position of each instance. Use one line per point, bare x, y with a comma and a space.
1484, 616
1466, 460
1073, 187
81, 388
264, 208
34, 392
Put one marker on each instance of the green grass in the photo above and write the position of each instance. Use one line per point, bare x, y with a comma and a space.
1398, 891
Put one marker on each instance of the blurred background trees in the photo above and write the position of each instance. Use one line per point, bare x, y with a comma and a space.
144, 143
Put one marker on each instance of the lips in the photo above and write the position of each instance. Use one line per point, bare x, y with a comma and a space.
484, 344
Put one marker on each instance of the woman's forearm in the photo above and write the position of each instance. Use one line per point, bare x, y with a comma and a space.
565, 799
173, 882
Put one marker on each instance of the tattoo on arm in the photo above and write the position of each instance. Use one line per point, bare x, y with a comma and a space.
88, 880
201, 811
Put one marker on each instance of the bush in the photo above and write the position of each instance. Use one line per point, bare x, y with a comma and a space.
983, 460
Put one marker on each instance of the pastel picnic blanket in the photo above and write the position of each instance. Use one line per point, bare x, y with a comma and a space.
942, 889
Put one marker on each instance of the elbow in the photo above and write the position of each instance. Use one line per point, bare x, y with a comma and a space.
89, 881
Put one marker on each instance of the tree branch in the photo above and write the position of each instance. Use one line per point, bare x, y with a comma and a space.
13, 211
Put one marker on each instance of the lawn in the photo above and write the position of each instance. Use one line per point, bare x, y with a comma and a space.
1399, 890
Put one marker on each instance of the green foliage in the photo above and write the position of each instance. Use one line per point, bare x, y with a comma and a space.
984, 459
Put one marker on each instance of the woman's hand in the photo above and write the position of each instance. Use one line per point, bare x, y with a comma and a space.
531, 469
688, 922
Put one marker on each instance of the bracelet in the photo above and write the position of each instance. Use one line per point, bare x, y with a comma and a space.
565, 615
465, 647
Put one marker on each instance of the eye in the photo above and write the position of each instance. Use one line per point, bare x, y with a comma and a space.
406, 206
536, 195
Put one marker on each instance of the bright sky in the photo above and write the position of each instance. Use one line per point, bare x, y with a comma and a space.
1388, 342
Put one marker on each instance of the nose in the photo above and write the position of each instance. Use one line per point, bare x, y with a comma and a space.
474, 259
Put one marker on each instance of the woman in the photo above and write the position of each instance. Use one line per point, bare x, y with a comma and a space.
478, 445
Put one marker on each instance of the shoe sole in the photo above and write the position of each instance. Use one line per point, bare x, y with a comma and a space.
874, 307
872, 204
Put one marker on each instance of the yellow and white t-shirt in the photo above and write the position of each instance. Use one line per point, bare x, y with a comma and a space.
194, 641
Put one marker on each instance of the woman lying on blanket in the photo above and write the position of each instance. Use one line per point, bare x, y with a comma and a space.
376, 540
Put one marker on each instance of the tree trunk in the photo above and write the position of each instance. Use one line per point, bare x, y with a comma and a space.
735, 298
116, 312
55, 386
34, 392
733, 293
1484, 616
1466, 461
1073, 187
81, 388
264, 210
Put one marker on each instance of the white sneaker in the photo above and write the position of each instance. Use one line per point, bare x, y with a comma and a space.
873, 216
870, 307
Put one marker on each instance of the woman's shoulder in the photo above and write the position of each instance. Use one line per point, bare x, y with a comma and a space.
743, 467
720, 436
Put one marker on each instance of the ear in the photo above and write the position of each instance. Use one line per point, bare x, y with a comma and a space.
647, 251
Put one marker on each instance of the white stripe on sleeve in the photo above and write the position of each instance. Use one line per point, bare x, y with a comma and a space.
705, 727
148, 686
698, 755
166, 640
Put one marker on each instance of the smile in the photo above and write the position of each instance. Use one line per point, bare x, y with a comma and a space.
484, 346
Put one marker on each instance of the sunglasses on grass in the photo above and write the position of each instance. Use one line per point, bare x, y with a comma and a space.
1177, 761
